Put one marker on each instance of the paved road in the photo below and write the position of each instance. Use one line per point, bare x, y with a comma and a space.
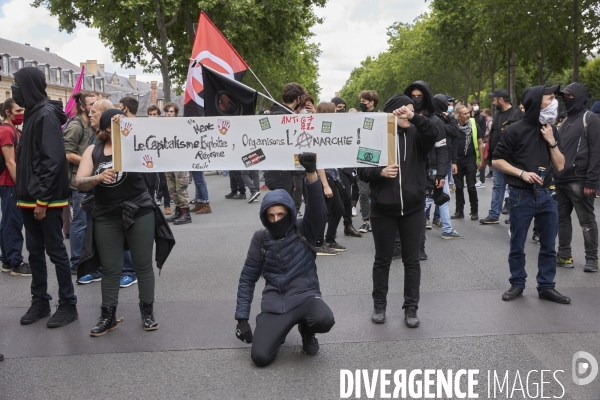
194, 354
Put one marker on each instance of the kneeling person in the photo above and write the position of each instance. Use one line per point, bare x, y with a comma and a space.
284, 255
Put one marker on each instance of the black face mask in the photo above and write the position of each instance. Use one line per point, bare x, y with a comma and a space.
341, 110
569, 103
17, 95
364, 107
279, 229
419, 103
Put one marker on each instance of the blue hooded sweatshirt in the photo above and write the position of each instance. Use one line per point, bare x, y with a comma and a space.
289, 267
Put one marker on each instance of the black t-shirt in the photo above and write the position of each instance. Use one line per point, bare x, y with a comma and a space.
465, 151
127, 186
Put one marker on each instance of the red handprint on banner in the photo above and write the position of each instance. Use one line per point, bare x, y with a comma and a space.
126, 129
147, 162
223, 126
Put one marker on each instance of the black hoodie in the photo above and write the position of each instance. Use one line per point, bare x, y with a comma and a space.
440, 103
438, 156
522, 144
582, 153
42, 177
501, 120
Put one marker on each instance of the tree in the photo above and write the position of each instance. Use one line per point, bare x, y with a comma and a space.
158, 34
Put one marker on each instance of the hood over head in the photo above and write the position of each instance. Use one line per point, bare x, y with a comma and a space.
577, 104
395, 102
277, 197
532, 101
426, 89
596, 108
440, 103
32, 82
338, 100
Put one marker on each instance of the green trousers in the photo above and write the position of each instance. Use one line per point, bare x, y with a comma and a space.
110, 237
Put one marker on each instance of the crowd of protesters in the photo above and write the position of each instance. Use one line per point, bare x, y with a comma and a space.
543, 165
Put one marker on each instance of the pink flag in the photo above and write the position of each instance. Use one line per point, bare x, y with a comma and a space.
70, 107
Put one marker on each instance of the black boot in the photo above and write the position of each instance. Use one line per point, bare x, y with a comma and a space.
148, 321
40, 308
106, 323
176, 214
185, 217
310, 344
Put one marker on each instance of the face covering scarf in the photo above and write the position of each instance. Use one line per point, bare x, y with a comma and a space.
548, 114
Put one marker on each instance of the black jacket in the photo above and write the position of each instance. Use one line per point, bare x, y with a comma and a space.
289, 266
406, 193
438, 156
582, 152
502, 119
522, 143
480, 119
450, 125
42, 176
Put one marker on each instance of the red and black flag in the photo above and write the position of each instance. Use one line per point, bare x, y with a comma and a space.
212, 49
225, 96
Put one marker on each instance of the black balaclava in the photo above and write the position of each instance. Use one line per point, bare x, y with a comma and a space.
279, 229
396, 101
577, 104
32, 83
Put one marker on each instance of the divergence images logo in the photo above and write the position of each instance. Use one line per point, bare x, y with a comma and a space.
580, 367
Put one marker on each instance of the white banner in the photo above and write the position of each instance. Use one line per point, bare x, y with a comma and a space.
265, 142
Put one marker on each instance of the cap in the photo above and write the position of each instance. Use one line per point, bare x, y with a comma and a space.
106, 117
499, 93
552, 89
338, 100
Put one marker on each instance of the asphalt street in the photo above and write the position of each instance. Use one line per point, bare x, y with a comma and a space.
195, 355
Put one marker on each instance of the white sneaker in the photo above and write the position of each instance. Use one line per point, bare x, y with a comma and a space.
354, 213
479, 185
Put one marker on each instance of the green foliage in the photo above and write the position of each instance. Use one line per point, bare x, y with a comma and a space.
463, 48
272, 36
590, 77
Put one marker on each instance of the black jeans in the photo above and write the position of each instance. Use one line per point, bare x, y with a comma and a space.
236, 182
299, 189
280, 180
468, 171
347, 196
151, 182
335, 210
272, 329
409, 228
43, 237
11, 228
570, 196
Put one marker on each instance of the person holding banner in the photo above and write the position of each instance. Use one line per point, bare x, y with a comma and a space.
397, 194
283, 253
122, 212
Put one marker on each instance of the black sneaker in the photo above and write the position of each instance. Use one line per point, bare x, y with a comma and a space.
335, 246
410, 317
22, 270
457, 215
310, 344
230, 195
553, 295
590, 266
64, 315
422, 255
378, 316
474, 217
239, 196
6, 267
512, 293
40, 308
488, 220
253, 197
428, 224
535, 239
325, 250
505, 208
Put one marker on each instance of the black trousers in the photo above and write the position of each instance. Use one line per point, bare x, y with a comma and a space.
45, 237
299, 189
272, 329
280, 180
151, 182
468, 171
335, 210
347, 196
163, 190
409, 227
236, 182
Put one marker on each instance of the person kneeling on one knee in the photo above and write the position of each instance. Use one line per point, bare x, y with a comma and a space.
284, 255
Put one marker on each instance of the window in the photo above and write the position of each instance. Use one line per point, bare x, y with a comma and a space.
58, 76
93, 83
8, 95
70, 78
160, 103
47, 73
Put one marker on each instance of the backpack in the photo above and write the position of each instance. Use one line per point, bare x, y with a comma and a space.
261, 241
2, 160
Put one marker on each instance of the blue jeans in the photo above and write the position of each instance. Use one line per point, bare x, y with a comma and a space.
78, 225
524, 205
11, 228
201, 188
497, 194
444, 209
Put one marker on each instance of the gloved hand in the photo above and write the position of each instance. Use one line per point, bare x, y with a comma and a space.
243, 331
308, 161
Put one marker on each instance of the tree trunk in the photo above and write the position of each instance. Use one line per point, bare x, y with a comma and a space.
164, 70
576, 52
512, 63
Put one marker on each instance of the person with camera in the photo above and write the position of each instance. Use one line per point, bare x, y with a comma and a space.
283, 254
122, 213
397, 194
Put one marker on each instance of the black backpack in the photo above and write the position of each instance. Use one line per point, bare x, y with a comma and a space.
261, 241
2, 160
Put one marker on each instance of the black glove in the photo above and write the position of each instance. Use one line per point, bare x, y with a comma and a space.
308, 161
243, 331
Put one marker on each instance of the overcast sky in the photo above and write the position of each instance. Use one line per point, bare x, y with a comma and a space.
351, 31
